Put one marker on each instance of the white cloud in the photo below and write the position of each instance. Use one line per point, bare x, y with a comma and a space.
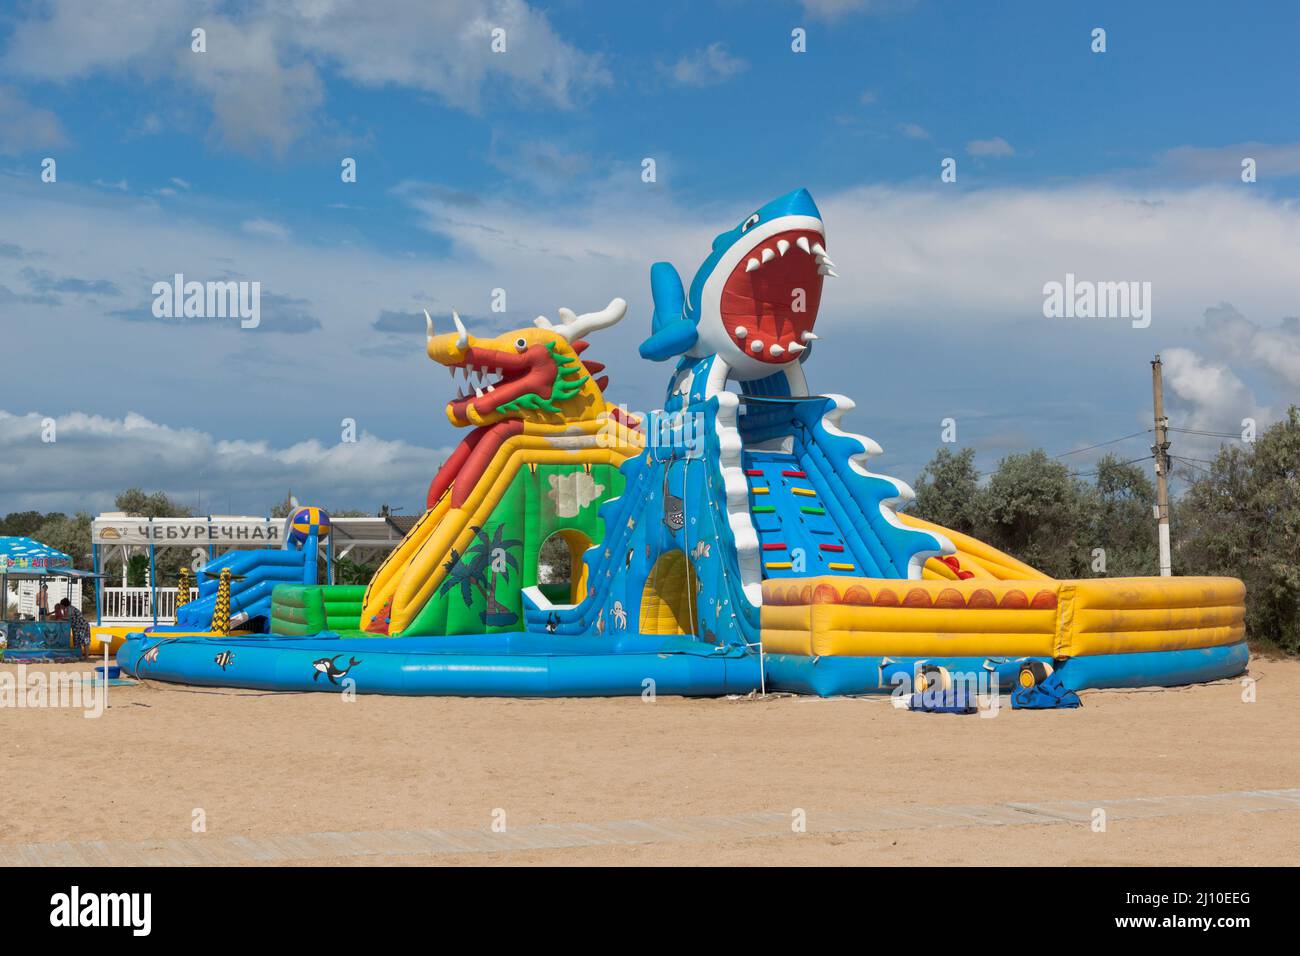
1274, 349
95, 457
914, 131
1207, 396
261, 72
445, 48
706, 67
262, 94
24, 127
997, 146
265, 229
968, 257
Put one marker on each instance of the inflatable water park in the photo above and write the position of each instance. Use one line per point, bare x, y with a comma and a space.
734, 541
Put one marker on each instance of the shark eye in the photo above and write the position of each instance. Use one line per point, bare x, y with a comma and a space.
751, 221
521, 344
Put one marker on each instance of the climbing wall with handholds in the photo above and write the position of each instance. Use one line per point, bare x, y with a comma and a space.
796, 536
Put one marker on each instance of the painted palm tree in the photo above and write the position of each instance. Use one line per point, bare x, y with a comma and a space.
475, 571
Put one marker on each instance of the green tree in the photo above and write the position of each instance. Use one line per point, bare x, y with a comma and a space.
69, 535
137, 503
1034, 509
1119, 519
948, 492
23, 524
1242, 518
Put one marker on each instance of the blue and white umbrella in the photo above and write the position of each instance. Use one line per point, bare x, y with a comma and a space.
24, 557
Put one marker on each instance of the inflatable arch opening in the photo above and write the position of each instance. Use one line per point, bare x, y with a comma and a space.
668, 598
567, 585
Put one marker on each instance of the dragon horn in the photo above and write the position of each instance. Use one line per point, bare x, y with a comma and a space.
574, 327
460, 327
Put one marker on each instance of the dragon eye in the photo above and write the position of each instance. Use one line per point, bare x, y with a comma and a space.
521, 344
751, 221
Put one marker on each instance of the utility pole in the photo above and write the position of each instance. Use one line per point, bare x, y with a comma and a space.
1161, 451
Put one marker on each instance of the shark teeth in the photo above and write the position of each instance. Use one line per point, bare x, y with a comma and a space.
794, 348
827, 271
809, 336
741, 331
776, 351
767, 254
756, 346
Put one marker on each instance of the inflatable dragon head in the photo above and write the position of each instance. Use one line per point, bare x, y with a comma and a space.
530, 375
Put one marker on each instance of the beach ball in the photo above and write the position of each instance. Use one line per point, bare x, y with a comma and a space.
307, 521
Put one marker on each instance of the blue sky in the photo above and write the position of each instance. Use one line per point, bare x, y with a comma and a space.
521, 171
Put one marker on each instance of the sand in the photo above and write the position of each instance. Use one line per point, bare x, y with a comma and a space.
266, 766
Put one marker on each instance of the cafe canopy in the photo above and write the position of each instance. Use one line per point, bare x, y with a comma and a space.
26, 558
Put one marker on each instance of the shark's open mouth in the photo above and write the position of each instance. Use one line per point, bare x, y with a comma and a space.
770, 300
486, 379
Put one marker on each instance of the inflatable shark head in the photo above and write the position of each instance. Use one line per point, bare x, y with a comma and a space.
754, 300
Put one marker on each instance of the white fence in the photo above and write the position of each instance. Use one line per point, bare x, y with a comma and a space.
132, 605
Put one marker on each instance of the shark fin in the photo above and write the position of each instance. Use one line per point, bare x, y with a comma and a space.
672, 333
675, 339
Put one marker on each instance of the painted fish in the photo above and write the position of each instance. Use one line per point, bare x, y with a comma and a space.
224, 659
331, 670
674, 515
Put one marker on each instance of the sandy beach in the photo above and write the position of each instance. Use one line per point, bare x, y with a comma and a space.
711, 781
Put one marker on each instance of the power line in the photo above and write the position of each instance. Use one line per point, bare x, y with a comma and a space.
1089, 474
1102, 444
1206, 434
1191, 463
